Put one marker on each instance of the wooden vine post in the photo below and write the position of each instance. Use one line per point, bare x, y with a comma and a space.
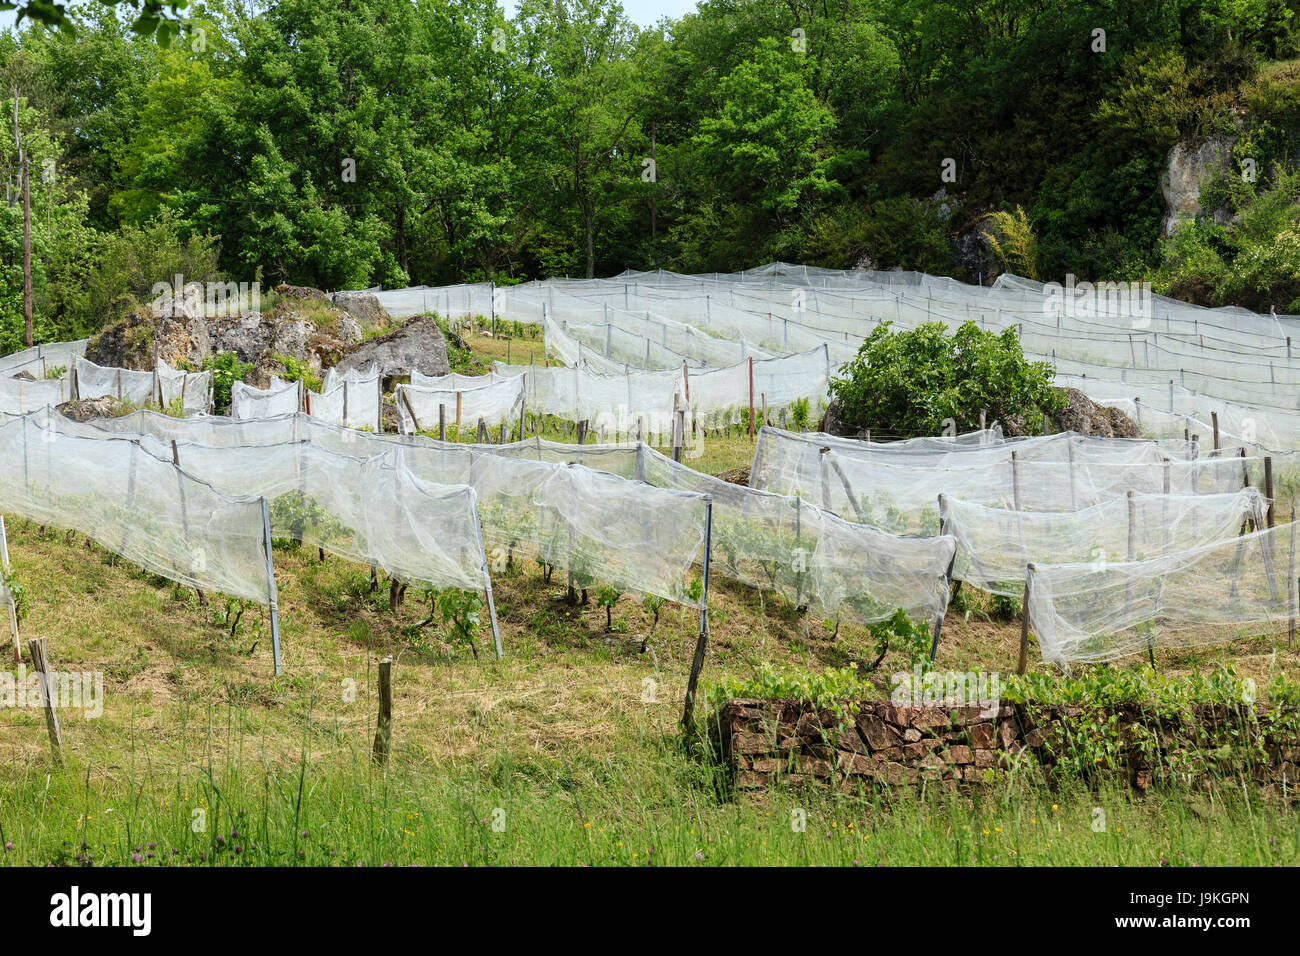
41, 664
384, 730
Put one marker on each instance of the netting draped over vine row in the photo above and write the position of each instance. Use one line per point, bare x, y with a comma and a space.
602, 528
496, 402
715, 396
136, 504
165, 386
353, 398
995, 544
1233, 589
1181, 360
40, 360
642, 537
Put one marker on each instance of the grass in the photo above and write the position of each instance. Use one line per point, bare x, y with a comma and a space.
568, 751
560, 734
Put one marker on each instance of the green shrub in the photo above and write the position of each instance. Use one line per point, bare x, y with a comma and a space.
910, 382
226, 369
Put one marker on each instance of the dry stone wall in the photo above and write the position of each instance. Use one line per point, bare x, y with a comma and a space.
860, 744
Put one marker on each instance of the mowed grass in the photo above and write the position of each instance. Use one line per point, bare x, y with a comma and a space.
568, 751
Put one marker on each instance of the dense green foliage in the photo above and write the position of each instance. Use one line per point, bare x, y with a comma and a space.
924, 381
389, 141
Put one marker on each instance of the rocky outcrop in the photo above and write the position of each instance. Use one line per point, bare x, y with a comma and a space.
89, 409
1080, 414
417, 345
1189, 167
304, 325
363, 305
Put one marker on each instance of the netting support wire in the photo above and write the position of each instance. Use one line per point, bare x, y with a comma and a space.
270, 586
12, 607
697, 664
947, 577
487, 582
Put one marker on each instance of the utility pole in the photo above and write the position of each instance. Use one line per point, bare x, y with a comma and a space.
27, 225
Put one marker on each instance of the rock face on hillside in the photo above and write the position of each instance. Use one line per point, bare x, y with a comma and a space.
1189, 165
305, 325
417, 345
363, 305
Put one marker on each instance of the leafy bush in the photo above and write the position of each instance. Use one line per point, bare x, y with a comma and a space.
226, 369
9, 581
793, 683
909, 382
296, 370
133, 259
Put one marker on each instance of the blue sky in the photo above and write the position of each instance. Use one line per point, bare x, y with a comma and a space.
644, 13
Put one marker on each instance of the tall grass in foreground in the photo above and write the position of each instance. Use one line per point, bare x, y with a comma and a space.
658, 806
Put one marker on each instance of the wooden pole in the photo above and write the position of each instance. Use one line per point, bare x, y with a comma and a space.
751, 397
582, 432
24, 165
442, 422
11, 606
1024, 621
1268, 486
482, 432
41, 664
701, 643
270, 587
1214, 421
384, 731
458, 405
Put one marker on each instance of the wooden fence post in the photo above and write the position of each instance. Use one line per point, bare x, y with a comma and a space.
1268, 486
41, 664
384, 731
751, 396
1024, 621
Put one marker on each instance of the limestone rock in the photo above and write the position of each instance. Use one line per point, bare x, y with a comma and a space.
417, 345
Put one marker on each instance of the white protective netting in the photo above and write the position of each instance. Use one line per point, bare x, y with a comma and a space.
282, 398
19, 396
368, 510
904, 499
353, 398
785, 545
421, 409
604, 529
191, 391
715, 396
136, 504
1235, 589
995, 544
40, 360
125, 385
